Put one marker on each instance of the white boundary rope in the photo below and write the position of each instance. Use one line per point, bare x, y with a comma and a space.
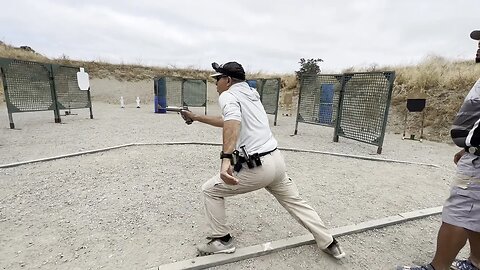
15, 164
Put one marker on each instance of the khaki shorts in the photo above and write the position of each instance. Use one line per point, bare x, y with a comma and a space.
462, 208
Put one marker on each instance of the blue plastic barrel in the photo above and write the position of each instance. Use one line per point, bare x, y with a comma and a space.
162, 104
327, 93
159, 106
160, 95
325, 114
252, 83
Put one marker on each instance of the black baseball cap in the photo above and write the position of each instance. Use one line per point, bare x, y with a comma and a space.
231, 69
475, 34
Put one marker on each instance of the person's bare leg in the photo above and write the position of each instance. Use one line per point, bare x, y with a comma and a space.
450, 240
474, 239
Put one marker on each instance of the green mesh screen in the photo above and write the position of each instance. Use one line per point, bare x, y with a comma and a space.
364, 106
356, 104
269, 91
195, 93
318, 99
31, 86
69, 95
179, 92
173, 86
26, 86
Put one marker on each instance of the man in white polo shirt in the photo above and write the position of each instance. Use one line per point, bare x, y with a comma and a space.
250, 161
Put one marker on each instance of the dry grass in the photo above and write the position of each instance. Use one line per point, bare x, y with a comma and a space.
443, 83
100, 69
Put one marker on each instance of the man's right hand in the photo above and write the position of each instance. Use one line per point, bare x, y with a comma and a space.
188, 116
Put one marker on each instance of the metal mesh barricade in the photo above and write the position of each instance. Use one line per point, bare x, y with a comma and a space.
318, 99
269, 91
364, 107
31, 86
69, 95
173, 87
27, 86
194, 93
179, 92
355, 104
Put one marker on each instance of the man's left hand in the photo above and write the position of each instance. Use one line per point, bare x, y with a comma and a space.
226, 173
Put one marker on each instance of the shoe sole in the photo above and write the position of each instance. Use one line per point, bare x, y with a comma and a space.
224, 251
338, 257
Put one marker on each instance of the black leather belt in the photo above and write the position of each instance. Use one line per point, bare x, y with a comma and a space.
266, 153
473, 150
243, 160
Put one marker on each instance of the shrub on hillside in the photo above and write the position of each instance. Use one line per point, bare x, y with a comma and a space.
308, 67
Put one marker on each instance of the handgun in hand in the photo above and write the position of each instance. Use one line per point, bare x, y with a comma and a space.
188, 121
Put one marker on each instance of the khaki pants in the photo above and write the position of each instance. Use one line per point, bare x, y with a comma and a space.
271, 176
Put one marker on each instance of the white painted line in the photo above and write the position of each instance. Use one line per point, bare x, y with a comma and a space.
64, 156
358, 157
215, 144
274, 246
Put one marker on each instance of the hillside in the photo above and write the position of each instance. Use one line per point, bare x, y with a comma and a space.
443, 83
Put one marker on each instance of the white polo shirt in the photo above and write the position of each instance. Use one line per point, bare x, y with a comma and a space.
242, 103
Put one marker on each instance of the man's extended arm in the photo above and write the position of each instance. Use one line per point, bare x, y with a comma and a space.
216, 121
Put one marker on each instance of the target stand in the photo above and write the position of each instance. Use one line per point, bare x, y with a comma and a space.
414, 105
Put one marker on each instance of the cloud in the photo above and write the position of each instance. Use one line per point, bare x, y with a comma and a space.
270, 36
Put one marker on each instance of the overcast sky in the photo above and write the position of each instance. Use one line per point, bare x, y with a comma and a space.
267, 36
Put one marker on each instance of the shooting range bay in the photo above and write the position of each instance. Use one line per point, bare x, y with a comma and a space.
140, 207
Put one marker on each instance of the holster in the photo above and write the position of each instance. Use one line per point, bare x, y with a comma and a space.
252, 162
237, 164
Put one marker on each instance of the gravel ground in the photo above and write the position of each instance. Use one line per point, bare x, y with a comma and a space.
140, 206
